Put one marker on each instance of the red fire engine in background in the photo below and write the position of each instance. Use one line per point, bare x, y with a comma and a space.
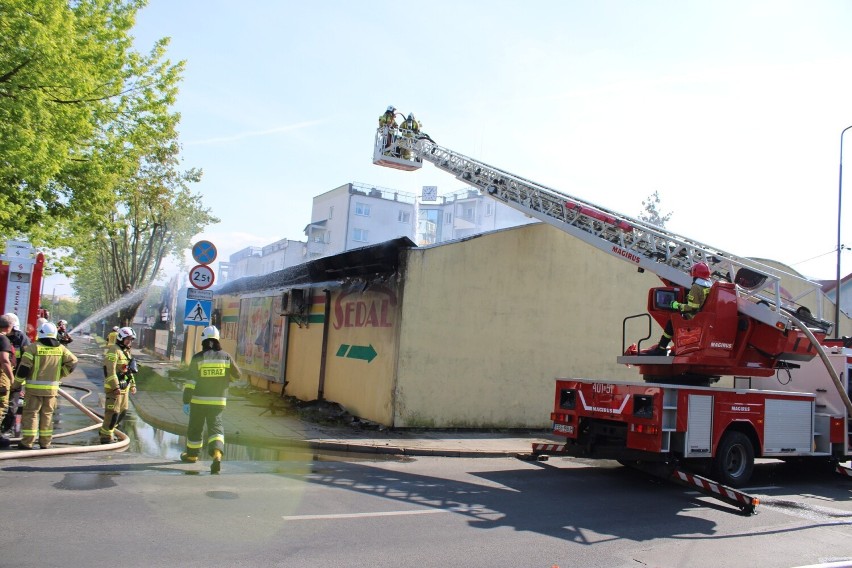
21, 270
749, 329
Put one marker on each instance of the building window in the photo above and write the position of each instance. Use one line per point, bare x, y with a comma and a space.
331, 212
489, 209
404, 217
448, 218
362, 209
359, 235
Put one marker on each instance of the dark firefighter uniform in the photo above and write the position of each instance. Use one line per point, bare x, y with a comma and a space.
206, 393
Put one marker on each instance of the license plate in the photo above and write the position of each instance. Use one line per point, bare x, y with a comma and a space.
566, 428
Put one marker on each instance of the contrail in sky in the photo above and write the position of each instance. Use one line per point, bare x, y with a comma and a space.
257, 133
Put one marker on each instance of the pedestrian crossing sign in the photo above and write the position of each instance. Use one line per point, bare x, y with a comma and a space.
197, 312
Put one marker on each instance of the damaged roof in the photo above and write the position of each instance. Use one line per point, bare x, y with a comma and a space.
382, 258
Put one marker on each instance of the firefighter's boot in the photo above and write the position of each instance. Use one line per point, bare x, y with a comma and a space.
216, 464
186, 458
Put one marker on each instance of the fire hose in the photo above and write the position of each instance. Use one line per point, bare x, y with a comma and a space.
122, 442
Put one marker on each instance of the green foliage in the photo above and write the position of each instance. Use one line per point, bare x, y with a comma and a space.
62, 66
89, 152
651, 211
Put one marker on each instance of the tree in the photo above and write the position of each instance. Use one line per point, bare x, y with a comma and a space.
155, 216
89, 158
651, 211
67, 71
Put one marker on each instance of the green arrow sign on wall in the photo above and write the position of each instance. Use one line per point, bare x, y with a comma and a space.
363, 352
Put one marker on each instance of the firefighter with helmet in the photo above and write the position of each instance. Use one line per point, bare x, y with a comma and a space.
43, 365
62, 332
701, 284
119, 382
205, 395
111, 336
409, 126
387, 122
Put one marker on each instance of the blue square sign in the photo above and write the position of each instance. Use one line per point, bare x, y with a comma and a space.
197, 312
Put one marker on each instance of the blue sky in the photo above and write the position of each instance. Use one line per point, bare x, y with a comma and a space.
731, 110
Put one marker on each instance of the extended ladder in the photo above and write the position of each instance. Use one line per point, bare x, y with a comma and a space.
649, 247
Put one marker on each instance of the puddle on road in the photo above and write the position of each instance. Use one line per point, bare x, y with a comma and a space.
155, 443
86, 481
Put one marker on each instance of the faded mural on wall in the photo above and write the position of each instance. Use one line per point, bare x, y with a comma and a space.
260, 335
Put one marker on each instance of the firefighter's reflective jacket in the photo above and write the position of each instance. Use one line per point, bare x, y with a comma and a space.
210, 373
43, 367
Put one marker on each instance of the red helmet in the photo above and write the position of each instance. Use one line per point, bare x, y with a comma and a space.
699, 270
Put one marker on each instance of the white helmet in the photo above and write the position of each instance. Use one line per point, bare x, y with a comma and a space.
124, 333
391, 109
210, 332
13, 317
115, 328
47, 331
62, 323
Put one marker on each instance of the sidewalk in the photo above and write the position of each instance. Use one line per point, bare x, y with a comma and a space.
256, 418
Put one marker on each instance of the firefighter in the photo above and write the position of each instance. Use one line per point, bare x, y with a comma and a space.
205, 395
701, 284
388, 119
7, 373
19, 342
119, 382
62, 332
408, 126
112, 336
43, 365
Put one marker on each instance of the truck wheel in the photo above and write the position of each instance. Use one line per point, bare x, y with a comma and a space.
734, 460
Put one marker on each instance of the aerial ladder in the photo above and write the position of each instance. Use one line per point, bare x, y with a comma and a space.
757, 326
749, 326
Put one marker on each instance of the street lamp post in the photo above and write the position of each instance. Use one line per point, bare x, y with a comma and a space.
839, 214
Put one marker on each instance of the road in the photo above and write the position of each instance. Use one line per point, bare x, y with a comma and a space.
126, 509
142, 507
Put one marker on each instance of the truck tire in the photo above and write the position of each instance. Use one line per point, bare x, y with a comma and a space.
734, 460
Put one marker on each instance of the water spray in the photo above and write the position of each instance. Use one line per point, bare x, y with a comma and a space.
122, 302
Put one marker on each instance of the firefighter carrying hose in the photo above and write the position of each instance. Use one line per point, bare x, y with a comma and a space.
119, 382
43, 365
701, 284
205, 395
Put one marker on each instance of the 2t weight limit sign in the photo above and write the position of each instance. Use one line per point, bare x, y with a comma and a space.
201, 276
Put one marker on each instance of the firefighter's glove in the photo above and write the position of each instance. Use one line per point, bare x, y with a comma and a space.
122, 382
676, 305
186, 409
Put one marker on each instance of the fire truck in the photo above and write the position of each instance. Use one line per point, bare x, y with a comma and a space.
21, 269
750, 328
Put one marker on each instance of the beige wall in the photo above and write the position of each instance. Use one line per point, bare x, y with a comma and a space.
489, 323
361, 357
304, 350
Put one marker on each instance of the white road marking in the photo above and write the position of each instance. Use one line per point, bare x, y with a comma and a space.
363, 515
